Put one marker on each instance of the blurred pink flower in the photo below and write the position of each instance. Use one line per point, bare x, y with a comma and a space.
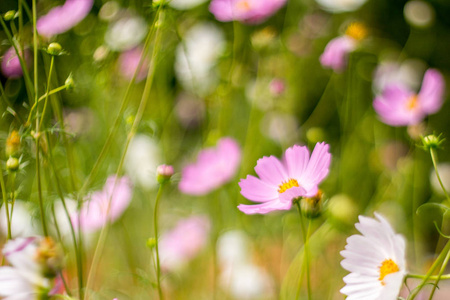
400, 106
246, 11
62, 18
108, 204
11, 65
337, 50
214, 167
129, 62
184, 242
277, 86
281, 182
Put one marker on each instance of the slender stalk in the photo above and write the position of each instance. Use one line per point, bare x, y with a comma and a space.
5, 202
434, 159
54, 91
417, 276
444, 265
155, 226
306, 247
46, 97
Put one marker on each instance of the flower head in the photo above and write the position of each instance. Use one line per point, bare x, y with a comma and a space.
280, 182
214, 167
62, 18
106, 205
184, 242
400, 106
376, 260
129, 62
247, 11
11, 67
338, 6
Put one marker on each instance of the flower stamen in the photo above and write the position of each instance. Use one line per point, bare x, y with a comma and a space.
412, 103
285, 185
357, 31
243, 6
388, 266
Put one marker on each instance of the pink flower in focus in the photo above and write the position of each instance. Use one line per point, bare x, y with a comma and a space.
129, 62
62, 18
246, 11
11, 67
105, 205
399, 106
184, 242
337, 50
214, 167
279, 182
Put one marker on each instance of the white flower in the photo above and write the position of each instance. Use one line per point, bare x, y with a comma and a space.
376, 260
338, 6
126, 33
196, 57
21, 222
185, 4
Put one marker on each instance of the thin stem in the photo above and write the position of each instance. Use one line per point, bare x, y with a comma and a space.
444, 264
434, 159
155, 226
46, 97
306, 247
417, 276
54, 91
5, 202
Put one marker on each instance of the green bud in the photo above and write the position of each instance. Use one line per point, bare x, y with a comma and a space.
70, 84
54, 49
163, 173
9, 15
151, 243
312, 207
432, 141
12, 164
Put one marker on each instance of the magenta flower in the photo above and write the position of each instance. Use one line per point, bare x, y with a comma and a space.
279, 183
246, 11
184, 242
337, 50
129, 62
11, 67
62, 18
214, 167
399, 106
106, 205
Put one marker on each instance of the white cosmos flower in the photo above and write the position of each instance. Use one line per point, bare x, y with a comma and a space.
339, 6
21, 221
185, 4
376, 260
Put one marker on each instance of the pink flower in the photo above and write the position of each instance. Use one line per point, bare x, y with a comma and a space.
247, 11
11, 67
184, 242
399, 106
62, 18
279, 183
105, 205
129, 62
214, 167
337, 50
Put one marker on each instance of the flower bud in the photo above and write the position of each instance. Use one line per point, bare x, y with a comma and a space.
12, 143
312, 207
54, 49
9, 15
432, 141
163, 173
12, 164
70, 84
151, 243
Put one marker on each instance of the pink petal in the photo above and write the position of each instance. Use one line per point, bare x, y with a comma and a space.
296, 158
336, 52
265, 207
255, 189
270, 170
317, 169
292, 193
432, 91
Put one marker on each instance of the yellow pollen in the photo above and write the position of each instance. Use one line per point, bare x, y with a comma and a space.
388, 266
357, 31
412, 103
243, 5
285, 185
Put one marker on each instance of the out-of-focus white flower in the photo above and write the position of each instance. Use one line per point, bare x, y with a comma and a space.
280, 127
185, 4
190, 110
338, 6
444, 173
233, 247
419, 13
21, 221
126, 33
142, 159
196, 57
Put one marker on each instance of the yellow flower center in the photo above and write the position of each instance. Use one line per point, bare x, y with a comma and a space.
285, 185
388, 266
357, 31
412, 103
243, 5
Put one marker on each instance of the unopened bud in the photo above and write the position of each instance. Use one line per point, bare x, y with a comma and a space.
432, 142
12, 164
54, 49
163, 173
312, 206
12, 143
9, 15
70, 83
151, 243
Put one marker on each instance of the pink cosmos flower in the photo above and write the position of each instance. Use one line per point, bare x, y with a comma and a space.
105, 205
11, 67
62, 18
400, 106
337, 50
184, 242
298, 175
214, 167
129, 62
247, 11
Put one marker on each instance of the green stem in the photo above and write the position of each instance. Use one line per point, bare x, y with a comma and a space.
306, 247
434, 159
54, 91
444, 264
155, 226
46, 93
5, 202
417, 276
